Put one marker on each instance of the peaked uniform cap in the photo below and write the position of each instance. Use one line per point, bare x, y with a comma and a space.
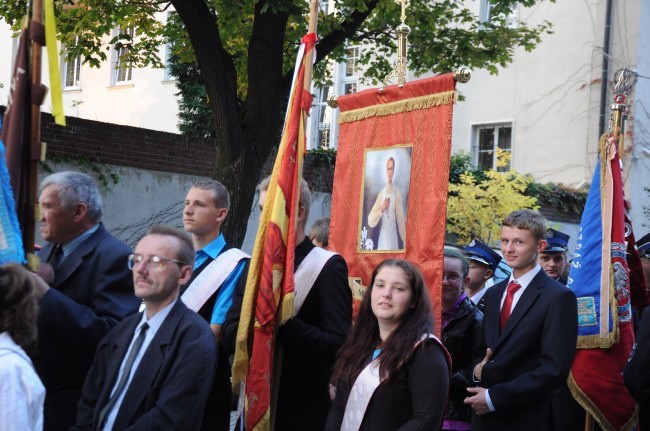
480, 252
643, 245
557, 241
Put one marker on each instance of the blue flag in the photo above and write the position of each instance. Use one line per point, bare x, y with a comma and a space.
11, 242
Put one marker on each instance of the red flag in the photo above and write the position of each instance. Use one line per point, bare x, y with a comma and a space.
600, 277
268, 301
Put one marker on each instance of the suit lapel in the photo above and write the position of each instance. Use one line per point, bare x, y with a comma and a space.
526, 301
118, 349
144, 379
75, 259
492, 307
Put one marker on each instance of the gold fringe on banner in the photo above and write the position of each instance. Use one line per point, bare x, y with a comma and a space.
605, 339
587, 404
406, 105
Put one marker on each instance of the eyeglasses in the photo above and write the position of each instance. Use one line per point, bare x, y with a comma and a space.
152, 262
452, 278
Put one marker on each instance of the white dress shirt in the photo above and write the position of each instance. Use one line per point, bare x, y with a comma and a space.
21, 392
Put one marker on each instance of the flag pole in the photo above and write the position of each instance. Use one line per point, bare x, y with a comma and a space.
309, 58
34, 141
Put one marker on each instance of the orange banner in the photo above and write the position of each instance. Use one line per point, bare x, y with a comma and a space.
390, 182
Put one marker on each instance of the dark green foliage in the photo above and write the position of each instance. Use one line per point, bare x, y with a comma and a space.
559, 197
194, 114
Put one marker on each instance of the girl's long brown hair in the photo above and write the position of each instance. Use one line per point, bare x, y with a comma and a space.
18, 306
364, 338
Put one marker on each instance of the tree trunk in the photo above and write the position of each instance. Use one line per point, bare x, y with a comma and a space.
244, 139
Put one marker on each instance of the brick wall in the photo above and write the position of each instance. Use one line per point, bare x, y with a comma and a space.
128, 146
152, 150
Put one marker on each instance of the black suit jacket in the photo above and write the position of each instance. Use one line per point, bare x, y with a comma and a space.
91, 292
637, 372
531, 357
170, 385
310, 342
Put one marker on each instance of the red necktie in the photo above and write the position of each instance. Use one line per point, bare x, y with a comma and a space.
513, 287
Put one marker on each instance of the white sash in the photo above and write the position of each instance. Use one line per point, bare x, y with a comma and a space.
211, 278
307, 273
363, 389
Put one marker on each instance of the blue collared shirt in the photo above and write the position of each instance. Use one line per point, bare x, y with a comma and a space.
227, 289
70, 246
154, 323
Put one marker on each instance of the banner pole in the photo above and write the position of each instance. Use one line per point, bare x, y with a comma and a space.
34, 139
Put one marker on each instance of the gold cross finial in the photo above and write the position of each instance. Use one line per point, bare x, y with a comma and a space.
403, 3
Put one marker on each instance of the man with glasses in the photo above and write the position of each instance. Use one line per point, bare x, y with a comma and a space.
88, 290
461, 334
154, 370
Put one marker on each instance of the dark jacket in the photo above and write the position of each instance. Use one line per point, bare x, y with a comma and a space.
413, 399
637, 372
168, 389
531, 357
462, 337
309, 342
91, 292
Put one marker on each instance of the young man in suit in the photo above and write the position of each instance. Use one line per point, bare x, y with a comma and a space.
154, 370
529, 335
218, 269
89, 289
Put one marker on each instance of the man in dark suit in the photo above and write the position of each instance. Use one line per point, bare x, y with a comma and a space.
310, 340
529, 333
637, 372
154, 370
90, 289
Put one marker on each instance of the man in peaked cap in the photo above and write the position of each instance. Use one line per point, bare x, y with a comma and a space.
567, 414
553, 259
483, 261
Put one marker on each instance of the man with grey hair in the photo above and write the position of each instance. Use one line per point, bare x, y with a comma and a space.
218, 269
89, 289
309, 340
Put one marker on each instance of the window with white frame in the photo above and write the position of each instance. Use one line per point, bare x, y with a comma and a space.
486, 12
322, 123
351, 80
71, 70
122, 71
167, 76
489, 138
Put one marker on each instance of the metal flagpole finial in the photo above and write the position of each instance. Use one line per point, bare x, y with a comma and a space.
624, 80
403, 15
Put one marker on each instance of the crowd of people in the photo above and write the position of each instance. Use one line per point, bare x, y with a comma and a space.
103, 337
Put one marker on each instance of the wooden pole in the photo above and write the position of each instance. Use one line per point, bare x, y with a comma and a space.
589, 422
34, 138
309, 59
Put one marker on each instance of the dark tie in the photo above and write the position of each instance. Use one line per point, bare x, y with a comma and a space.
55, 256
513, 287
137, 344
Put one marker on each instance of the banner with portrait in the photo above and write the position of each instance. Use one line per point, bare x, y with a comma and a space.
390, 181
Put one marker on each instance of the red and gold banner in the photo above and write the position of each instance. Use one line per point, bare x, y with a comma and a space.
600, 278
269, 296
390, 183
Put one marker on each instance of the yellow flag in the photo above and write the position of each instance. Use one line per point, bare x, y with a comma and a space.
53, 60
